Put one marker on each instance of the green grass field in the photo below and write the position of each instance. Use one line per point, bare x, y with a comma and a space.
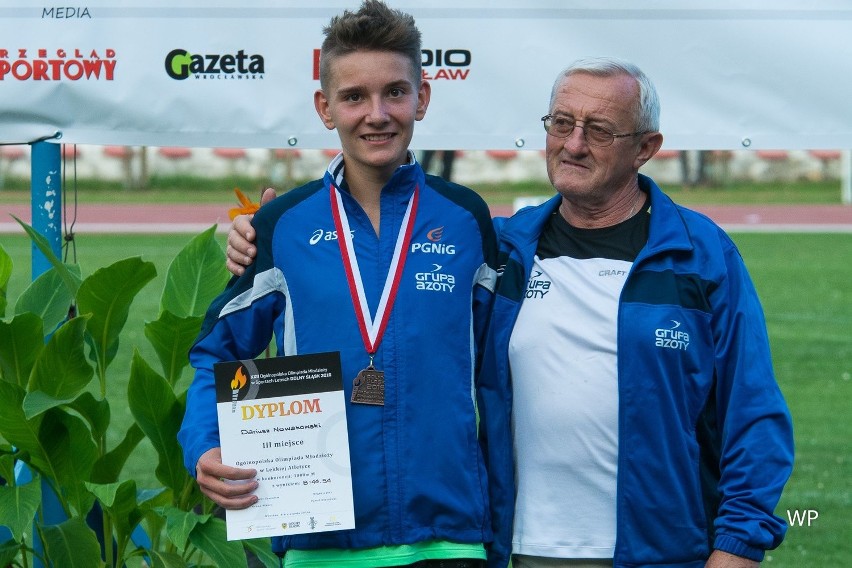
805, 284
194, 189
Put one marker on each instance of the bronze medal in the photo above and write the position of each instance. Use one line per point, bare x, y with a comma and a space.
369, 387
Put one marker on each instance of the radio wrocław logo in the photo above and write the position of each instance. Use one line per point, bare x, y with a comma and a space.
181, 64
57, 65
446, 64
438, 64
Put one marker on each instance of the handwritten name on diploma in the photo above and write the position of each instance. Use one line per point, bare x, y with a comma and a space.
286, 418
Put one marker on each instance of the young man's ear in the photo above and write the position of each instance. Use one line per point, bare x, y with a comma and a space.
322, 106
424, 95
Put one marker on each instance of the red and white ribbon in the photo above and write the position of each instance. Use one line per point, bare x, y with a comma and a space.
372, 329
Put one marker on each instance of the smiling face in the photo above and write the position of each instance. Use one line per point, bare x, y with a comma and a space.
373, 101
595, 176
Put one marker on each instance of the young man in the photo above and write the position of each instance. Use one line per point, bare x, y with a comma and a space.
431, 486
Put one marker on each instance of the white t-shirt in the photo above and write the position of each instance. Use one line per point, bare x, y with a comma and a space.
563, 359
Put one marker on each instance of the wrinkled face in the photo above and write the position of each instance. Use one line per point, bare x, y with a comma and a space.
373, 102
587, 173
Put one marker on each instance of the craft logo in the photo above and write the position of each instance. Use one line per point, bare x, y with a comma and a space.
180, 65
239, 382
538, 287
57, 65
434, 246
435, 280
672, 338
437, 64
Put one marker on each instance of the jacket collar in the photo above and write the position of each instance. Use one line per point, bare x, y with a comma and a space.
668, 230
402, 181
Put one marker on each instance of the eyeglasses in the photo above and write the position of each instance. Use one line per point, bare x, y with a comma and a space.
563, 126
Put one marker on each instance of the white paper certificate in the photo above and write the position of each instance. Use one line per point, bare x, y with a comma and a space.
286, 417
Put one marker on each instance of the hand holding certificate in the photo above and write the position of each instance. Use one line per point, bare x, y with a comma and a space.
286, 418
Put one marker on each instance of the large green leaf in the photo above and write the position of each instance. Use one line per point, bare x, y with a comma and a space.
180, 524
20, 432
8, 552
166, 559
211, 538
48, 297
5, 274
21, 343
95, 412
41, 243
71, 452
195, 277
119, 501
8, 460
153, 499
72, 544
109, 466
61, 373
18, 506
172, 336
157, 411
262, 548
107, 295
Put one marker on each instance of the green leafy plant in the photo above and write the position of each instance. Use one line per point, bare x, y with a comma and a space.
55, 419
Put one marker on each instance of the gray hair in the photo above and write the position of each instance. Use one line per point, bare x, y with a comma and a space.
648, 113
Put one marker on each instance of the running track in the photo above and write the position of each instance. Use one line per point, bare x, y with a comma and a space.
194, 218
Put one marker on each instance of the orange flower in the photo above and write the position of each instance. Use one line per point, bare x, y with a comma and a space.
247, 206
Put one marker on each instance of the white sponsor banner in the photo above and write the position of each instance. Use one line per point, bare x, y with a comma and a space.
731, 73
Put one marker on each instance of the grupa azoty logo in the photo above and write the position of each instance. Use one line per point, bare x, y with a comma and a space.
672, 337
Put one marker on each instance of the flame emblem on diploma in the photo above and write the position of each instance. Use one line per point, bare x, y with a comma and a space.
240, 380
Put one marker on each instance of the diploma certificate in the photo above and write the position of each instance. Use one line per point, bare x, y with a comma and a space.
286, 417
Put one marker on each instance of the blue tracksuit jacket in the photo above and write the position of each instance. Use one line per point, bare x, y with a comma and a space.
422, 467
705, 437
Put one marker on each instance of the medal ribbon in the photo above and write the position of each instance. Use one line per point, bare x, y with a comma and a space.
372, 330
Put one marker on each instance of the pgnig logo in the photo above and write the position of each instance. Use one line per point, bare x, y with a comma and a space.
180, 65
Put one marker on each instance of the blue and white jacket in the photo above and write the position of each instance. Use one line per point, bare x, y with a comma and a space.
705, 437
423, 467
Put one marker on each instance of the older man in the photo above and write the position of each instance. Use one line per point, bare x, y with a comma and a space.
648, 426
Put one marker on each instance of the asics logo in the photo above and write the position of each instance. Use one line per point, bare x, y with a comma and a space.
323, 235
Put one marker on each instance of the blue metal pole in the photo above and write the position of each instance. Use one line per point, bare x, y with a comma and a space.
46, 188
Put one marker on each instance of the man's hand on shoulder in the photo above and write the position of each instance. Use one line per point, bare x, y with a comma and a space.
240, 250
